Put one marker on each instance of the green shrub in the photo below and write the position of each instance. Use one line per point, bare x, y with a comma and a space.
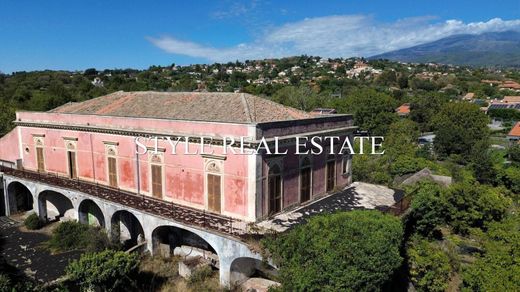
71, 235
471, 205
107, 270
498, 269
356, 250
429, 265
33, 222
200, 275
5, 283
427, 208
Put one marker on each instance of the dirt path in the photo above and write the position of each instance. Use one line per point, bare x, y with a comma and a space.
23, 250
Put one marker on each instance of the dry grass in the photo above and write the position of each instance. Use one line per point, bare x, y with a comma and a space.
161, 274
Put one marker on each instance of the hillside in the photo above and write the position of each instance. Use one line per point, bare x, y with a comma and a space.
487, 49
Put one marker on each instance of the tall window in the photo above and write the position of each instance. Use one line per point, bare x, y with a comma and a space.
346, 165
112, 171
214, 186
274, 190
71, 157
331, 172
157, 177
305, 180
39, 159
70, 144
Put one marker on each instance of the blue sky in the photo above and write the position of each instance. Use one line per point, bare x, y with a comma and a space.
75, 35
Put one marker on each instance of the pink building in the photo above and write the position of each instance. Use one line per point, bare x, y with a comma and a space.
95, 141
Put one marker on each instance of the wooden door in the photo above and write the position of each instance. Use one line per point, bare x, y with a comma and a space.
275, 194
214, 192
157, 181
305, 184
112, 172
331, 176
72, 164
39, 158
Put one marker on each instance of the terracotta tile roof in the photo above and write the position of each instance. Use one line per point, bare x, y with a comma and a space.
515, 131
198, 106
404, 109
510, 85
511, 99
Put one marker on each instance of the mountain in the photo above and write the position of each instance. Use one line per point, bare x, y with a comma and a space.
486, 49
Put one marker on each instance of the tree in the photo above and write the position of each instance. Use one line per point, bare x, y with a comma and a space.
107, 270
373, 111
458, 128
498, 269
7, 116
424, 107
430, 268
514, 153
301, 97
349, 251
402, 138
427, 209
472, 205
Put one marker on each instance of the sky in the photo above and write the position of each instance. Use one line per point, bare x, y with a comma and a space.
76, 35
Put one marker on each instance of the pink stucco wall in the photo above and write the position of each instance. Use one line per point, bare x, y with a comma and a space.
184, 175
9, 150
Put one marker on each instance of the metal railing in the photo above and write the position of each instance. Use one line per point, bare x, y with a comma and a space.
154, 206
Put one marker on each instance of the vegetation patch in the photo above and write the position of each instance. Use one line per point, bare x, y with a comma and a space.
33, 222
349, 251
71, 235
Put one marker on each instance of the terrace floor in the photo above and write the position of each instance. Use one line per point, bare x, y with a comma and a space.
356, 196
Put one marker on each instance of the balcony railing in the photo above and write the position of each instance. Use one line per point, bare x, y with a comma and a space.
168, 210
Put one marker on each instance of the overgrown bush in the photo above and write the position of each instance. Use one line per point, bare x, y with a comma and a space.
5, 283
348, 251
472, 205
429, 265
200, 275
107, 270
71, 235
498, 269
33, 222
427, 208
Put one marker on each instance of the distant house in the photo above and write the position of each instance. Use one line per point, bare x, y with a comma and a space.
324, 111
514, 134
508, 102
491, 82
511, 85
511, 99
97, 82
403, 110
469, 96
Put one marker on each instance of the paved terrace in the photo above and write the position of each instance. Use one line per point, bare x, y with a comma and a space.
356, 196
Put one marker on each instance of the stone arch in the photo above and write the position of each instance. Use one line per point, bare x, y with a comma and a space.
90, 213
126, 228
20, 198
169, 240
243, 268
55, 205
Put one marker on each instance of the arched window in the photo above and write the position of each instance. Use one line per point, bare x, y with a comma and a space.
331, 172
274, 190
305, 180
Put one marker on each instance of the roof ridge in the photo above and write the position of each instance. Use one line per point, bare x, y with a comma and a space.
246, 107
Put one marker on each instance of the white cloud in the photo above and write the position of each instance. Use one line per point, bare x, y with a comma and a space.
336, 36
